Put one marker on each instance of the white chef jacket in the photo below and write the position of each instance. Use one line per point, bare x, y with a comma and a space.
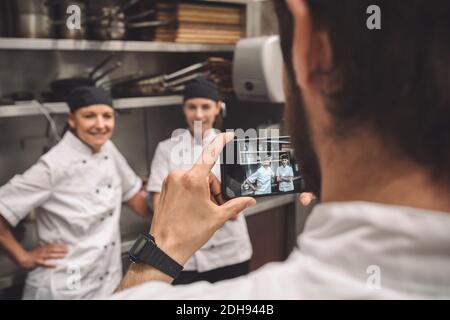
230, 244
78, 197
263, 177
282, 171
349, 250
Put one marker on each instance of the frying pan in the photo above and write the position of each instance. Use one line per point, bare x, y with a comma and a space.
61, 88
217, 69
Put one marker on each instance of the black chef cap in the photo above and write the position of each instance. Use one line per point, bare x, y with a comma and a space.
201, 88
81, 97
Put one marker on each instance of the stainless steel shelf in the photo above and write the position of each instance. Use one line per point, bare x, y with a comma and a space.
90, 45
33, 108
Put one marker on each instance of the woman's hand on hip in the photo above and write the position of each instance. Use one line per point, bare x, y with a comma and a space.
40, 256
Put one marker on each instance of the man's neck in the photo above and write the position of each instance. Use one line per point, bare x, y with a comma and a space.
370, 173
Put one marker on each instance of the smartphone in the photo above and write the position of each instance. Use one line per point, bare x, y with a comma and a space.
260, 167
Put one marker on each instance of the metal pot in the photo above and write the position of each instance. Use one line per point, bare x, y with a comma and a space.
31, 6
111, 20
61, 88
31, 25
32, 19
110, 25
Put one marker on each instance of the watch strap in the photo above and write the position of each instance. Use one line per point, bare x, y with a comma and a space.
152, 255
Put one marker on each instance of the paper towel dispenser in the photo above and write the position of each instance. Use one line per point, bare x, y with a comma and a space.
257, 70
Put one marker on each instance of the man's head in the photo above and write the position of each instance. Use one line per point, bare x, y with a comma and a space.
284, 161
346, 82
266, 162
201, 102
91, 116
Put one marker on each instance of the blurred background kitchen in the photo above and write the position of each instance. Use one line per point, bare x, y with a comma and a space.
144, 52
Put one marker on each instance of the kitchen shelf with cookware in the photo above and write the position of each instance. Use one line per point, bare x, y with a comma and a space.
121, 27
137, 90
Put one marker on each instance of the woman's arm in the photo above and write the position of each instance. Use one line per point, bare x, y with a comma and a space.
28, 259
250, 184
138, 203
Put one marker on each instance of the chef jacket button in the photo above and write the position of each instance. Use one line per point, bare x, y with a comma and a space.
110, 214
101, 219
84, 161
106, 273
113, 243
101, 278
106, 157
105, 246
97, 191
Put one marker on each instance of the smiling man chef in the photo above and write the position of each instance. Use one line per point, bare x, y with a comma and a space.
356, 100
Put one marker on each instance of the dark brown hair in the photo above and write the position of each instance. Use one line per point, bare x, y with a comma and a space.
395, 80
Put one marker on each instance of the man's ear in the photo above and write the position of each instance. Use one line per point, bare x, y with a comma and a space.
311, 49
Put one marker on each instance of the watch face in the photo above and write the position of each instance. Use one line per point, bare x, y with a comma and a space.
138, 246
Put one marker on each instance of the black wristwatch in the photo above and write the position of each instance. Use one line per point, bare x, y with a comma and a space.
146, 251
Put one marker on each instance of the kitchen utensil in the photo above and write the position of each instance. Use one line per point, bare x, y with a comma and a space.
140, 15
111, 22
32, 19
101, 65
31, 6
217, 69
128, 5
122, 80
111, 25
61, 88
32, 25
108, 71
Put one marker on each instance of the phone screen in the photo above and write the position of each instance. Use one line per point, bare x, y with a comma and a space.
258, 167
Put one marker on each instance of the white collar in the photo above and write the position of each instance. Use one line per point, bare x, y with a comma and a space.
410, 245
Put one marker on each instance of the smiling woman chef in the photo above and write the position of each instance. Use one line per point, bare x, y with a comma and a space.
77, 188
227, 255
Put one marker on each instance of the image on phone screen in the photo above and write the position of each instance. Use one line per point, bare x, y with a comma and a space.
258, 167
